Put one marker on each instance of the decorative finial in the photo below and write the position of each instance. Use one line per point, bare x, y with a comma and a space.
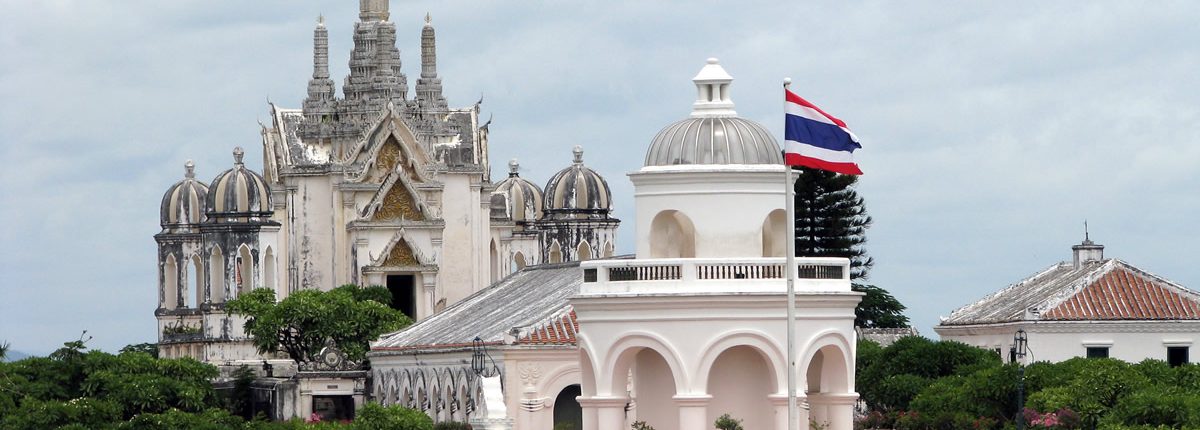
787, 82
237, 156
321, 20
513, 168
189, 169
578, 151
713, 60
1085, 232
428, 19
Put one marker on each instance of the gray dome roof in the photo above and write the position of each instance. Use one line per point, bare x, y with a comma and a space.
713, 134
239, 192
524, 197
577, 191
184, 202
713, 140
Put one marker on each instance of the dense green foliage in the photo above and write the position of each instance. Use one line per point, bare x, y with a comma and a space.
455, 425
726, 422
831, 219
148, 348
301, 324
921, 384
878, 309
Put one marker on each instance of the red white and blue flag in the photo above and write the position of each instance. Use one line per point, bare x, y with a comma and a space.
813, 138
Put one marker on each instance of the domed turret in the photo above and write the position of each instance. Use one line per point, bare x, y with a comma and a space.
714, 134
577, 192
184, 203
524, 197
239, 193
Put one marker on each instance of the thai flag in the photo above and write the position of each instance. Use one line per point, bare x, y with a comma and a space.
813, 138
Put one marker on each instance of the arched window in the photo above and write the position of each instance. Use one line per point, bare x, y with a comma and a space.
216, 276
245, 271
775, 234
269, 269
494, 259
197, 279
672, 235
567, 411
192, 282
584, 252
555, 255
608, 249
519, 261
170, 274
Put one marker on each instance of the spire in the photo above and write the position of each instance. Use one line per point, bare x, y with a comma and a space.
320, 88
1087, 250
712, 88
578, 151
429, 86
372, 10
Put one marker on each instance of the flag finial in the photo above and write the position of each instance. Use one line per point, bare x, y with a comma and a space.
787, 82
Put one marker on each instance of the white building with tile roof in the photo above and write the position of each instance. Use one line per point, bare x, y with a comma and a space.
1088, 307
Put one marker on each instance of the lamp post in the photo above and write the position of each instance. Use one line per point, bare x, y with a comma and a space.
1020, 344
478, 356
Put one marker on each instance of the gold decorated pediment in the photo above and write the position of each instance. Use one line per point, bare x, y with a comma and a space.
401, 255
399, 204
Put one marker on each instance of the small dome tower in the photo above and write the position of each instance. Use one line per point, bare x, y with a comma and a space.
713, 184
239, 194
524, 198
183, 205
577, 222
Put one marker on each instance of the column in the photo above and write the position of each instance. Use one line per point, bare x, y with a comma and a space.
818, 409
693, 410
603, 413
840, 409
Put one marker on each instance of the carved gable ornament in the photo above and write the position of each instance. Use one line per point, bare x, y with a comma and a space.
401, 255
399, 204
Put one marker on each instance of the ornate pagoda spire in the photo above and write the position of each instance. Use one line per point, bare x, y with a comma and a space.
375, 78
373, 10
320, 100
429, 86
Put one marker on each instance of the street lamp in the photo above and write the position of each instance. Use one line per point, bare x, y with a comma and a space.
477, 356
1020, 346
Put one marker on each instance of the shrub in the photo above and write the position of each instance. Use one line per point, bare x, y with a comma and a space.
372, 416
455, 425
1158, 406
726, 422
641, 425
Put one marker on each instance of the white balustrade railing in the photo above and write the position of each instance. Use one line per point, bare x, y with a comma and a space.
712, 275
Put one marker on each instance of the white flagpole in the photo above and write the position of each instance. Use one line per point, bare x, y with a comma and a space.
789, 273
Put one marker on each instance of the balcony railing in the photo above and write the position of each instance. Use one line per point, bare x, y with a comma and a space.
712, 275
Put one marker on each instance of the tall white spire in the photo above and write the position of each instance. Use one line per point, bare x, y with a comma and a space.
429, 86
712, 88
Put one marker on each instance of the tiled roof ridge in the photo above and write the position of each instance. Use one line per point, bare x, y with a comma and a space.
972, 306
1053, 301
559, 328
1099, 297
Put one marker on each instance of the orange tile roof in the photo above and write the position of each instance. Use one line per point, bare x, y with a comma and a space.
556, 331
1121, 294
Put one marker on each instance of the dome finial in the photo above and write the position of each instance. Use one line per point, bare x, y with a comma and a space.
513, 168
578, 151
237, 156
712, 92
428, 19
189, 169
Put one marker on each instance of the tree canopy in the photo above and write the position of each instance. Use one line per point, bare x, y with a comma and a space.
302, 324
878, 309
831, 219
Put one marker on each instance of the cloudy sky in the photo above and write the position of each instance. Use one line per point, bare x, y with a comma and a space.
991, 131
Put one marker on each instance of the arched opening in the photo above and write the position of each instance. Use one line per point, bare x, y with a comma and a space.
740, 381
196, 278
245, 271
495, 262
584, 252
567, 412
269, 269
672, 235
775, 234
189, 276
653, 388
608, 249
216, 276
170, 274
827, 374
519, 261
555, 255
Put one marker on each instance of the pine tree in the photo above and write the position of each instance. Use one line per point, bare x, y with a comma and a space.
831, 219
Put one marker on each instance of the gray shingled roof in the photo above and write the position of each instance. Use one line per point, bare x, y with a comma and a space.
526, 298
1011, 303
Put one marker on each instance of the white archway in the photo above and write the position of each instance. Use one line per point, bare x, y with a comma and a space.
269, 269
740, 381
775, 234
555, 253
828, 381
519, 261
216, 276
196, 279
672, 235
583, 252
245, 271
494, 260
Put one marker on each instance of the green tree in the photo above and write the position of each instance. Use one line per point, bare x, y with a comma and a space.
301, 324
882, 385
3, 351
831, 219
878, 309
148, 348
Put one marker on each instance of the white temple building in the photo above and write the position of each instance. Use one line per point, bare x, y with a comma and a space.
690, 328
